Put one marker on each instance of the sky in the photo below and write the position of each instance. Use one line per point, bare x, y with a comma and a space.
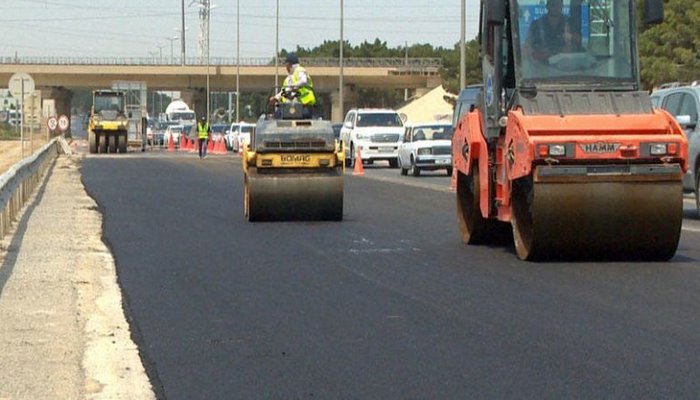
144, 28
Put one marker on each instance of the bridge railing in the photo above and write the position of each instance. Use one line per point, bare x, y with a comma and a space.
368, 62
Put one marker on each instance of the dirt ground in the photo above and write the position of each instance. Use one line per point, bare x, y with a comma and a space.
11, 151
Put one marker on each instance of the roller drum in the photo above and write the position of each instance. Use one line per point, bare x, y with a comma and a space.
615, 220
294, 195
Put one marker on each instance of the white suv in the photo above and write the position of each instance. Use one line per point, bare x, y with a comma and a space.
377, 133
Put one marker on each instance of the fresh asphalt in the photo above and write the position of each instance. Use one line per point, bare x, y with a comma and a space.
387, 304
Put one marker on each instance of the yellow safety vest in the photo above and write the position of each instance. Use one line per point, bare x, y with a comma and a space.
203, 130
306, 93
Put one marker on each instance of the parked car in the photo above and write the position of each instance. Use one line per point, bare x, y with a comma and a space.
683, 103
239, 134
426, 146
466, 101
173, 132
376, 133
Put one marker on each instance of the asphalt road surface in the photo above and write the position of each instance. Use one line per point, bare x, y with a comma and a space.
387, 304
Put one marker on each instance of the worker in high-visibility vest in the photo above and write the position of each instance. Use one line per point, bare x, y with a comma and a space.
203, 131
298, 82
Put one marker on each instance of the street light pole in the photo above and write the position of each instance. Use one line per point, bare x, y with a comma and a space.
238, 58
171, 39
462, 50
277, 47
341, 62
182, 36
208, 9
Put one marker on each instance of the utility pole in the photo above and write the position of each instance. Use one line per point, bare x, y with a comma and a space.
182, 36
238, 59
405, 91
277, 47
462, 49
341, 62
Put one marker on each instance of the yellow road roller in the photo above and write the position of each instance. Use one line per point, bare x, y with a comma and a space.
293, 170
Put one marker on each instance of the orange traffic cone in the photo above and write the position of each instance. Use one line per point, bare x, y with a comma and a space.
183, 143
210, 146
220, 149
171, 144
358, 170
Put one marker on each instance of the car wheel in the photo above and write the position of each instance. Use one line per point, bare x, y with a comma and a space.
351, 163
415, 171
393, 163
404, 171
697, 191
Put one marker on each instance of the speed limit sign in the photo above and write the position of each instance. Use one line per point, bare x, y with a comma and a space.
63, 123
52, 123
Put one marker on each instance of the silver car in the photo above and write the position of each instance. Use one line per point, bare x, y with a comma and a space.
683, 102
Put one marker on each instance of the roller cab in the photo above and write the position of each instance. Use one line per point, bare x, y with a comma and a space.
564, 152
293, 170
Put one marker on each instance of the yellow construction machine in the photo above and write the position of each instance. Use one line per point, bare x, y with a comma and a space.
293, 169
109, 122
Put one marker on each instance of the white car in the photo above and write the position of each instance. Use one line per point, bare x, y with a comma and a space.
173, 132
239, 135
376, 133
426, 146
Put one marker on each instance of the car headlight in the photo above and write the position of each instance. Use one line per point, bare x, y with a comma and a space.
425, 151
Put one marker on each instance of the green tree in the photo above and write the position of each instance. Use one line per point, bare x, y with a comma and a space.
669, 51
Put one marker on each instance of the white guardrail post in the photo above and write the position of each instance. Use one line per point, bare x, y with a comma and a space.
20, 181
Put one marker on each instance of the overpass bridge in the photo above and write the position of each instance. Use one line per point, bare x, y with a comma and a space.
57, 76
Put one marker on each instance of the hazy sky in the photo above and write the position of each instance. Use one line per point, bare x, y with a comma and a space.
136, 28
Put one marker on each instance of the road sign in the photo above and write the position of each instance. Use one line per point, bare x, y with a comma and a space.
52, 123
21, 84
63, 123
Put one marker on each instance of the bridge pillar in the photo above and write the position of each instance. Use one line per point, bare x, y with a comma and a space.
196, 99
350, 100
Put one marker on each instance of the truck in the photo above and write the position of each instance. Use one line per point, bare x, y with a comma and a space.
109, 122
566, 151
178, 111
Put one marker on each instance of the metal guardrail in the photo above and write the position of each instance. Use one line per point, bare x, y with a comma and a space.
368, 62
19, 182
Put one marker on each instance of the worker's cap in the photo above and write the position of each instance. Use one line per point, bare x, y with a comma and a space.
291, 59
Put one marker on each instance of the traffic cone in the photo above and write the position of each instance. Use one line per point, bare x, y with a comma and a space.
218, 148
171, 144
453, 180
183, 144
358, 170
210, 146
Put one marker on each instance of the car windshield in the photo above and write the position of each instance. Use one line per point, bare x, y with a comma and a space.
379, 119
575, 41
218, 128
246, 129
432, 132
182, 116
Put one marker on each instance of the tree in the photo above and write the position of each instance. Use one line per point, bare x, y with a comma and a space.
669, 51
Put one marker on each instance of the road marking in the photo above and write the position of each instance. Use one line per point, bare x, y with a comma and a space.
689, 229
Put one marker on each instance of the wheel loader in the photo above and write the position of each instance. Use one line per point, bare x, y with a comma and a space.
564, 149
109, 122
293, 168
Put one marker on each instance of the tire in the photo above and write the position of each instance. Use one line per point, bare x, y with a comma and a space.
394, 163
92, 141
122, 143
351, 162
102, 143
449, 171
697, 191
415, 171
404, 171
112, 142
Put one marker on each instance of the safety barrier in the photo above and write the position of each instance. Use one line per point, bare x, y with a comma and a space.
19, 182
